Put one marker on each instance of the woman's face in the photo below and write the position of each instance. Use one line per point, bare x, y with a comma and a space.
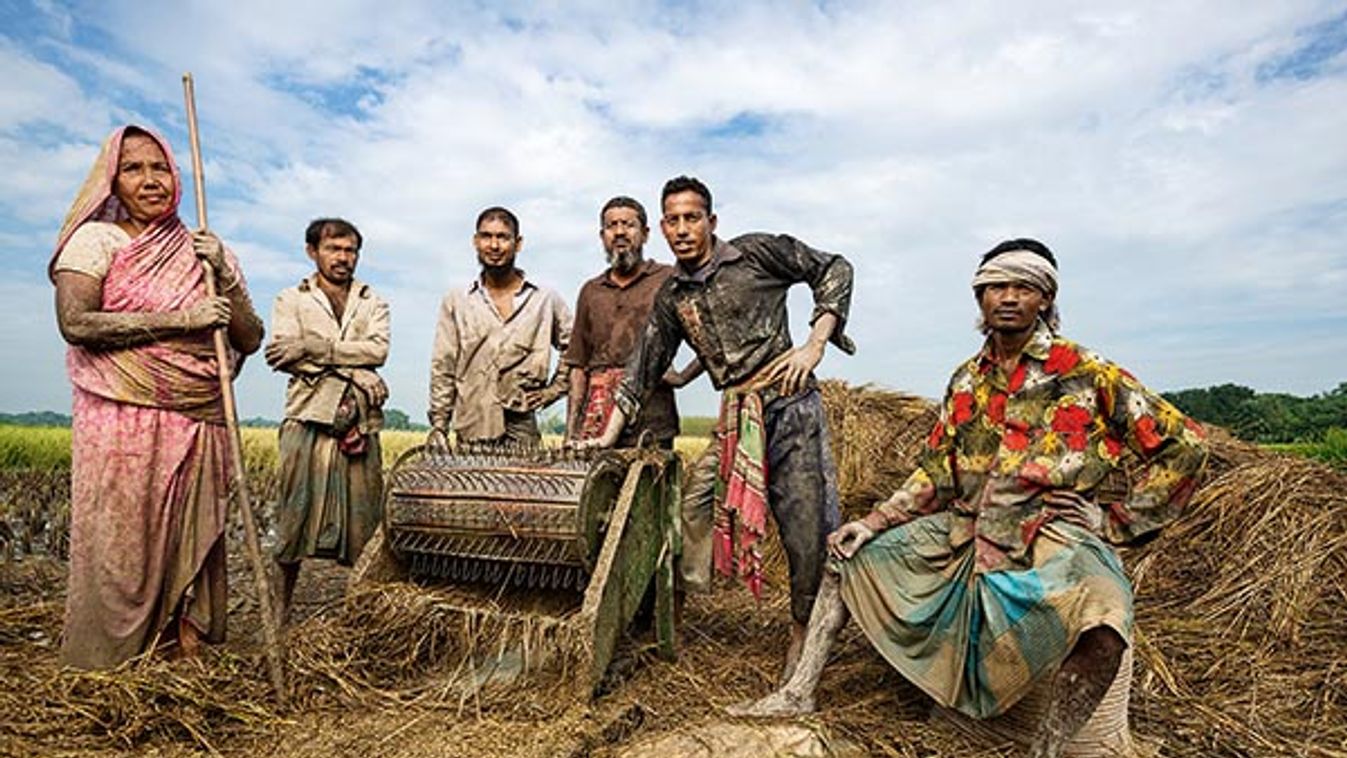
144, 179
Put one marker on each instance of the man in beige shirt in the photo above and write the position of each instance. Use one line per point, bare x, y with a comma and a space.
492, 357
330, 333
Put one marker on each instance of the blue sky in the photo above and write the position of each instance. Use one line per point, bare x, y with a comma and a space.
1184, 160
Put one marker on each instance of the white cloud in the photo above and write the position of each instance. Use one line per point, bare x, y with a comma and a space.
1192, 202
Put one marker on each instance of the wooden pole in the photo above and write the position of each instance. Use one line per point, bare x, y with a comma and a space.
240, 488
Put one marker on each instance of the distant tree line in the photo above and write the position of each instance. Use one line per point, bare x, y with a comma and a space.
1266, 417
393, 419
399, 420
1271, 417
35, 418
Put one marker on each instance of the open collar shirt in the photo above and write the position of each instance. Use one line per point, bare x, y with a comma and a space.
358, 340
609, 320
733, 311
482, 364
1062, 419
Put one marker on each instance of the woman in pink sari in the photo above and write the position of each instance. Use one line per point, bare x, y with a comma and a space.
149, 483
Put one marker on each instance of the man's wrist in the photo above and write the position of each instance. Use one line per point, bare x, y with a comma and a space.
876, 521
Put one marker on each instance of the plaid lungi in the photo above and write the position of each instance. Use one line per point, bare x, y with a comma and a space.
977, 640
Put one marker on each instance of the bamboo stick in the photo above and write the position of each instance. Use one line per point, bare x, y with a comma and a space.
271, 635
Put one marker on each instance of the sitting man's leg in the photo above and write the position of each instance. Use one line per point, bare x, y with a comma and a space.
1077, 689
796, 696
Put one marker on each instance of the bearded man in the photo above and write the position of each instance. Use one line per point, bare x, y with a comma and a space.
991, 568
610, 313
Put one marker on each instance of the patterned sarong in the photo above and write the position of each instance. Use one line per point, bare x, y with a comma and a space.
600, 391
973, 640
741, 489
148, 450
330, 499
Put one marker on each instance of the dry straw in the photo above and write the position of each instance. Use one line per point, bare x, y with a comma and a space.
1241, 608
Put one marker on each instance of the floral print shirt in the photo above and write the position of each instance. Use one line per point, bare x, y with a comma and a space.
1062, 419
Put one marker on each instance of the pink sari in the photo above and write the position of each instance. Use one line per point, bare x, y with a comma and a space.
149, 488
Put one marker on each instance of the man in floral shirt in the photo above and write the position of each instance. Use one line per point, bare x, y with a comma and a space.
991, 567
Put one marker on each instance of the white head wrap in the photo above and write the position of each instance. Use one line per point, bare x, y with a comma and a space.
1025, 267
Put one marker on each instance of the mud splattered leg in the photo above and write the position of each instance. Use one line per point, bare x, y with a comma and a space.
797, 695
1077, 688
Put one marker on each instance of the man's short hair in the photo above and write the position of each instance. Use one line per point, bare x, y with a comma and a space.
622, 201
1023, 243
331, 227
685, 184
501, 214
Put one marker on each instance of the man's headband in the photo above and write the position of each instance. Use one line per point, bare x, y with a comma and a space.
1022, 267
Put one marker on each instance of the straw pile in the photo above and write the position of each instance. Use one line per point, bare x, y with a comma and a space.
34, 511
875, 436
391, 635
1241, 608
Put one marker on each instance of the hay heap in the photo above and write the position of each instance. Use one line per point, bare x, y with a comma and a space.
1241, 606
1241, 620
875, 436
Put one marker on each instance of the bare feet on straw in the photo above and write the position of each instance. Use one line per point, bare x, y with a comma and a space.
778, 705
189, 641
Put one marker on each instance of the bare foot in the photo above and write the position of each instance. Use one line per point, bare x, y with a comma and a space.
189, 640
779, 704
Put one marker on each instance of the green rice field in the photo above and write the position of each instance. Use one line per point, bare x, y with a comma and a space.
30, 447
35, 480
1331, 450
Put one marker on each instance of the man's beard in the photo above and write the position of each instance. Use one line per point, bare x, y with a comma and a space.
495, 272
624, 261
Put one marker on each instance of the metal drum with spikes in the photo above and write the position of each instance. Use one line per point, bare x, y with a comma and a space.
603, 526
489, 515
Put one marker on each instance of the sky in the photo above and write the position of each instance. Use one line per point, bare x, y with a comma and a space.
1186, 161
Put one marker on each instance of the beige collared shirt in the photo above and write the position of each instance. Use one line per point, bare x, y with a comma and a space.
482, 364
359, 340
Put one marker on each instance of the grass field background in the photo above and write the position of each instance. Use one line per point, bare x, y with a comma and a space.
1332, 450
41, 447
30, 447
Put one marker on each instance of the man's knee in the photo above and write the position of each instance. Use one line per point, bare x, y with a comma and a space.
1101, 647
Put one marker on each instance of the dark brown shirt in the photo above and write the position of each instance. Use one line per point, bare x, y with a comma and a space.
609, 321
733, 311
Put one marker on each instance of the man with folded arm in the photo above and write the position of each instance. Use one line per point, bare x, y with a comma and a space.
330, 334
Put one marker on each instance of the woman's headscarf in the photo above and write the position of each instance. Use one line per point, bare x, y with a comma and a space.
97, 198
